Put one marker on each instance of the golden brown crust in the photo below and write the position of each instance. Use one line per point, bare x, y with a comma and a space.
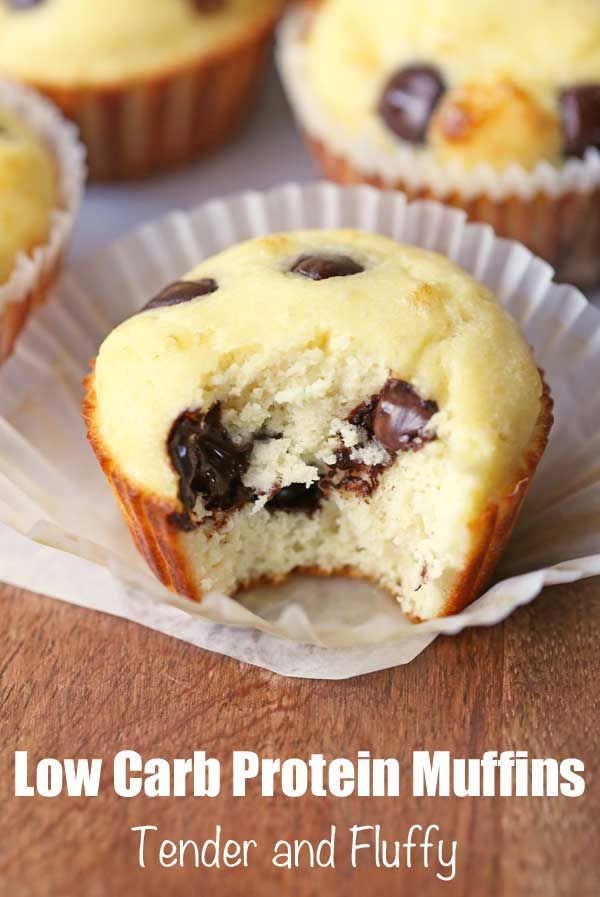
564, 230
500, 122
161, 544
15, 315
146, 516
136, 127
495, 526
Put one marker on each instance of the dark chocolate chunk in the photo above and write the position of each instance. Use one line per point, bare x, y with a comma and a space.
362, 415
409, 99
322, 267
580, 107
350, 475
182, 291
296, 498
208, 463
401, 418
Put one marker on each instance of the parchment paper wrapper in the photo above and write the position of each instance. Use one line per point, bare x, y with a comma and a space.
35, 273
554, 211
61, 533
141, 126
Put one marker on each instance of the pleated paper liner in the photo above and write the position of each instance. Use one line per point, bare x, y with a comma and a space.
145, 125
555, 212
62, 534
35, 273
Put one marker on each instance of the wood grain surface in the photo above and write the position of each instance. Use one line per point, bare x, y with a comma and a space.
78, 684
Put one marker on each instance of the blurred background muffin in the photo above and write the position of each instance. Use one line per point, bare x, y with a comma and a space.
151, 83
28, 190
490, 105
42, 172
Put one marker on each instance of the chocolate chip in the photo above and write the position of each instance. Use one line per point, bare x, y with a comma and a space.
351, 475
580, 107
297, 498
362, 415
401, 418
182, 291
208, 463
322, 267
409, 99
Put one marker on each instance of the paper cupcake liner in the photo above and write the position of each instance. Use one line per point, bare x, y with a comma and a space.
35, 273
553, 211
141, 127
62, 534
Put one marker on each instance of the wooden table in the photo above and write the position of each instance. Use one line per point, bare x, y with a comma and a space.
79, 684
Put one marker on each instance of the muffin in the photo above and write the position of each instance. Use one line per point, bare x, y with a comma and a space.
325, 401
41, 178
28, 190
150, 84
489, 106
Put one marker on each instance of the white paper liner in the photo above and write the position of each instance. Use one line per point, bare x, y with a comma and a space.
401, 163
61, 533
63, 140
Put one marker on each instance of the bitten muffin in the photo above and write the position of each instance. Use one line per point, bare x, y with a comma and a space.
42, 172
150, 84
487, 105
329, 401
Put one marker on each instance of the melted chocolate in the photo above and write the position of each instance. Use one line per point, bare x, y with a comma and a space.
397, 419
350, 475
322, 267
209, 464
401, 418
182, 291
296, 498
580, 108
409, 99
362, 415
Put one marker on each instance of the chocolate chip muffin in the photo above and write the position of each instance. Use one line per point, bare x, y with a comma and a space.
491, 108
325, 401
150, 84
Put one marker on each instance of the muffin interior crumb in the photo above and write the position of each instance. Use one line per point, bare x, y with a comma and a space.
321, 490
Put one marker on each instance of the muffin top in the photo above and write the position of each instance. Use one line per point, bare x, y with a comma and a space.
390, 310
472, 81
28, 190
65, 42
